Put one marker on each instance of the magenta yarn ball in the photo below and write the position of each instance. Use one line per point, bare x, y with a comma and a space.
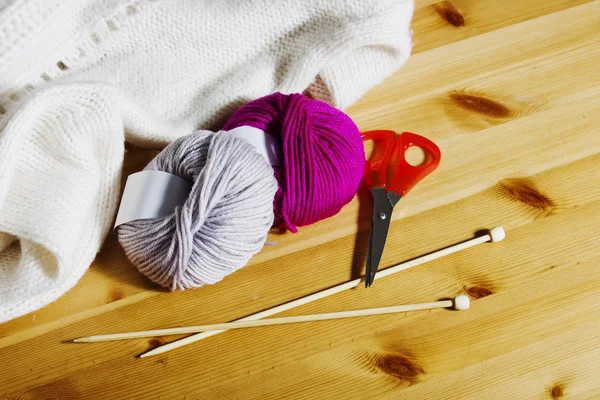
323, 155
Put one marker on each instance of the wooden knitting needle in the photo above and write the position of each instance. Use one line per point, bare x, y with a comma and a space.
494, 235
460, 302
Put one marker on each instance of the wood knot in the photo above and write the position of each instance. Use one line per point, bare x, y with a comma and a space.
155, 342
478, 292
524, 191
480, 105
556, 392
399, 367
448, 12
116, 295
163, 361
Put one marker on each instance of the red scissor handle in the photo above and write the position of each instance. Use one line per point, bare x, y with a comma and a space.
405, 176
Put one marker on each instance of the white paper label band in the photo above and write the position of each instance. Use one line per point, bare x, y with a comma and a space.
155, 194
265, 144
151, 194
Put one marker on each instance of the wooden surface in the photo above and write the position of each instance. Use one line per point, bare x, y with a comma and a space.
510, 91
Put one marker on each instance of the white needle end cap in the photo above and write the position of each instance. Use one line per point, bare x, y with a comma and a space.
497, 234
462, 302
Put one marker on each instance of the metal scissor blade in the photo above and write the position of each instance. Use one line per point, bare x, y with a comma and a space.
380, 224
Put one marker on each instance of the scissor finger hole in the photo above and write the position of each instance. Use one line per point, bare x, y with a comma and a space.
372, 152
415, 156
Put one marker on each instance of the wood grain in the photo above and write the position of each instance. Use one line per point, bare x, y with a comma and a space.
509, 91
438, 23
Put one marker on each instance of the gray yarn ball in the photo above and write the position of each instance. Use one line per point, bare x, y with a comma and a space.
222, 224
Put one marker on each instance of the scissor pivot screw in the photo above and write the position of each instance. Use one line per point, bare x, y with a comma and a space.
382, 215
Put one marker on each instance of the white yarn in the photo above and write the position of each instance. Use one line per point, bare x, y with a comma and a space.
224, 221
76, 74
57, 191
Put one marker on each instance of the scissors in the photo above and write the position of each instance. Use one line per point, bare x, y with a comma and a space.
387, 193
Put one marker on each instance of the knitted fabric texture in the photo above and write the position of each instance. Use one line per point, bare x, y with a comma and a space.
223, 223
78, 77
323, 155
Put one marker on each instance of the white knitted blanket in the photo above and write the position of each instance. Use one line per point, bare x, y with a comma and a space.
79, 77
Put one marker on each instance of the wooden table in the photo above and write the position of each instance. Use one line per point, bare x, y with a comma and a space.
510, 91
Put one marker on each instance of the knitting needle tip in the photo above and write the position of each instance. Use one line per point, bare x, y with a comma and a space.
153, 352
